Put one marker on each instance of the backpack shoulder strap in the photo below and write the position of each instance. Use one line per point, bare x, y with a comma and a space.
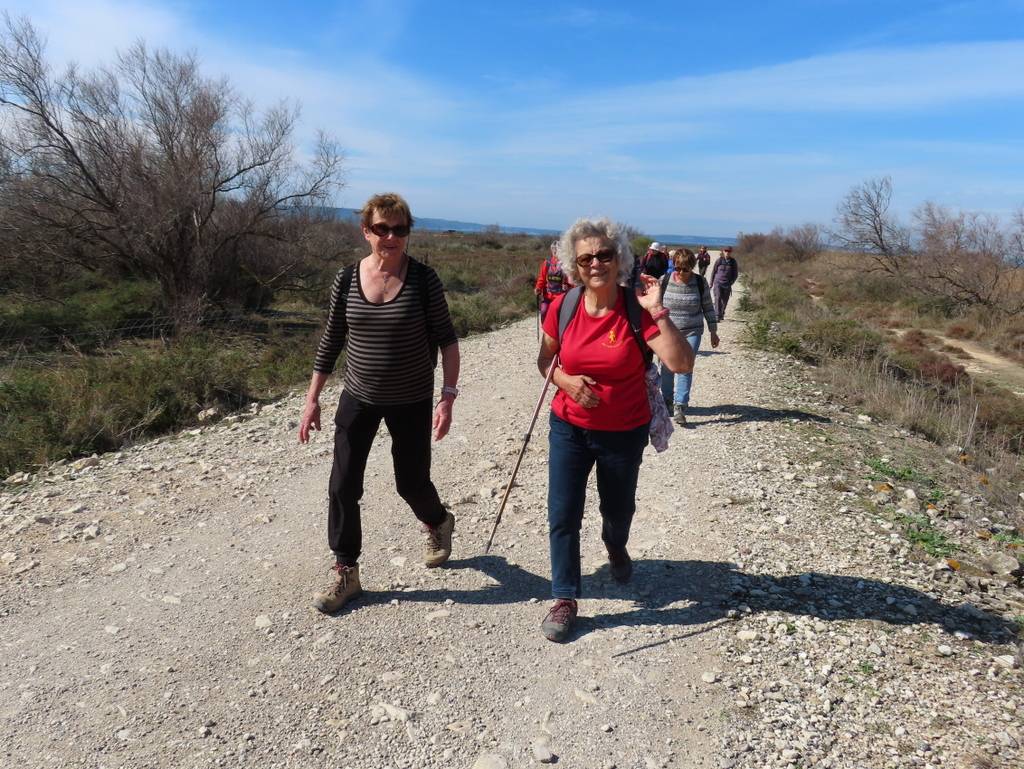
568, 309
633, 314
346, 285
422, 271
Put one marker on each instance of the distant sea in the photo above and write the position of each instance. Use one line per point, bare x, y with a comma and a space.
443, 225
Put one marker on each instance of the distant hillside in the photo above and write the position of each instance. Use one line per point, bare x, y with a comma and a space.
442, 225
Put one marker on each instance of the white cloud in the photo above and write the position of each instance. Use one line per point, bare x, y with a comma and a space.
626, 151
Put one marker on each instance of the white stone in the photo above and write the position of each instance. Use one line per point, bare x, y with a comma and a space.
490, 761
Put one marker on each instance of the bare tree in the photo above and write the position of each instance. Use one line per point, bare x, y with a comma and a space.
864, 224
970, 259
804, 242
149, 168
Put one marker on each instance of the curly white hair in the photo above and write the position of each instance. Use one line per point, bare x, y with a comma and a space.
605, 229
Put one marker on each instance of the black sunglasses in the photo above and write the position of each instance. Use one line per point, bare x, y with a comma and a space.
382, 230
604, 256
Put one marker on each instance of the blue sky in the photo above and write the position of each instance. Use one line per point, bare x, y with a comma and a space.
697, 118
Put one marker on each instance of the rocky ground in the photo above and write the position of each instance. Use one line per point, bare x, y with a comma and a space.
812, 589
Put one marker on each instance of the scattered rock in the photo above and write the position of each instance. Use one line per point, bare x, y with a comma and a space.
490, 761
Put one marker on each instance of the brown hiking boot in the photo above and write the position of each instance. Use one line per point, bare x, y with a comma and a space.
621, 565
439, 541
346, 587
557, 625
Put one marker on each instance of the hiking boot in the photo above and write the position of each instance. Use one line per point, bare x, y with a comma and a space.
621, 565
346, 587
679, 414
439, 541
558, 624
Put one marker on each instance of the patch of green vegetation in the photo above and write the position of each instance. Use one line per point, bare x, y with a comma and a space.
1009, 539
906, 473
920, 531
94, 310
866, 668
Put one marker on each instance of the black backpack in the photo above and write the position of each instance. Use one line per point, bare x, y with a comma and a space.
421, 277
633, 311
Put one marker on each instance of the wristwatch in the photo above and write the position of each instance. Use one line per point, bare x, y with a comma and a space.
452, 391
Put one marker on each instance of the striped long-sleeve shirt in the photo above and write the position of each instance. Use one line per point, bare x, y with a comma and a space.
689, 304
387, 345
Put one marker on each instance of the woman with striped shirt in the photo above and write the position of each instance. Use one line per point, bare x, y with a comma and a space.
390, 315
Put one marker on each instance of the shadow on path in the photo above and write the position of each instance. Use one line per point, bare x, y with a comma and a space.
711, 588
745, 412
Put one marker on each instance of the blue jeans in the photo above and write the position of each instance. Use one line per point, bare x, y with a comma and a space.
573, 452
676, 387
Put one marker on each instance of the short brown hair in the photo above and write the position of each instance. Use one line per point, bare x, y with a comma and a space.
387, 204
684, 257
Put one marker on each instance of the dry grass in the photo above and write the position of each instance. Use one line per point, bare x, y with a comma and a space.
877, 347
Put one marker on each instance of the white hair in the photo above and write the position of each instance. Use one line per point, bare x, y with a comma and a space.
605, 229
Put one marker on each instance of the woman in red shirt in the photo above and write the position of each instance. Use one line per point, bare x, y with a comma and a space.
600, 415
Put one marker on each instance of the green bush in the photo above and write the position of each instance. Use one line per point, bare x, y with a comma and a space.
833, 337
100, 403
94, 313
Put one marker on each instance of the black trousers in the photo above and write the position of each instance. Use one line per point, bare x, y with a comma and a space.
721, 294
355, 425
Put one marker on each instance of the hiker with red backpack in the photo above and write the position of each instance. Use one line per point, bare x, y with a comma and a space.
389, 313
551, 281
602, 414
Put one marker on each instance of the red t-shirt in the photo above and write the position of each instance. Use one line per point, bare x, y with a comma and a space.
605, 350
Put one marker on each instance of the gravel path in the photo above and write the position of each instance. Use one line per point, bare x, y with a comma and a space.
154, 604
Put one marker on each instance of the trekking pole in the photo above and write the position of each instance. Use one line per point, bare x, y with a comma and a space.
522, 452
538, 317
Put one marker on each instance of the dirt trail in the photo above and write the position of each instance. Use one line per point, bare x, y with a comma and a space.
982, 362
154, 607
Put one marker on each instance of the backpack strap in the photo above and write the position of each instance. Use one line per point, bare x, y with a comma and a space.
421, 279
568, 309
633, 313
346, 286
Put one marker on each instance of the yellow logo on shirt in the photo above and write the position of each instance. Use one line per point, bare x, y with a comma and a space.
613, 339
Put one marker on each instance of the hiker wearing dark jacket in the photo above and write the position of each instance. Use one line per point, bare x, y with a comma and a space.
703, 260
655, 261
601, 415
390, 315
687, 297
723, 275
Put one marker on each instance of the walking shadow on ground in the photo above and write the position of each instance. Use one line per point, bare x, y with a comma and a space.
710, 589
734, 413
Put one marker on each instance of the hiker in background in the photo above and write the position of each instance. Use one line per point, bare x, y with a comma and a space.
600, 415
703, 260
687, 297
551, 281
723, 275
389, 313
655, 261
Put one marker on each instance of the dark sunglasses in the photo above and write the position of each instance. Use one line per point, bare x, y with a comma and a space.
382, 230
603, 256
